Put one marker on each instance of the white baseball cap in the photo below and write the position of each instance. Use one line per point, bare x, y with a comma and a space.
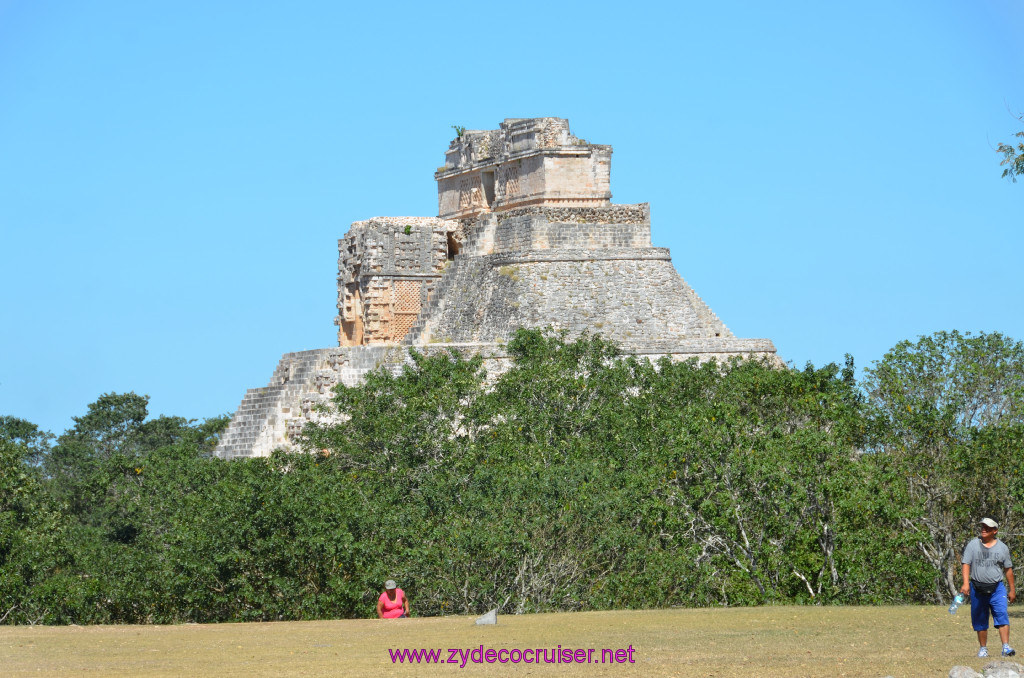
989, 522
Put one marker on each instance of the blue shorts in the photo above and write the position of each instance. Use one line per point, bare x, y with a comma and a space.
981, 604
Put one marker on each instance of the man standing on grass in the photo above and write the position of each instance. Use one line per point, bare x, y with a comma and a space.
985, 561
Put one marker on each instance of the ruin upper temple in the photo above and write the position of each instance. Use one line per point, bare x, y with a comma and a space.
526, 236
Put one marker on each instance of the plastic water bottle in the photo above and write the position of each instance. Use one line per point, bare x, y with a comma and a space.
957, 602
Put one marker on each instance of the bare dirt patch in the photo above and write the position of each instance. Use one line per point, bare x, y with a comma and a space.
763, 641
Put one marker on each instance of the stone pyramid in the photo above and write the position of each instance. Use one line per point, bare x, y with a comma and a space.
526, 236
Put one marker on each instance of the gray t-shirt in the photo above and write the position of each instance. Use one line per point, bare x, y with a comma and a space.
987, 564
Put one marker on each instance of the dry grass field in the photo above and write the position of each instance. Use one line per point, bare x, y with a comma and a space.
763, 641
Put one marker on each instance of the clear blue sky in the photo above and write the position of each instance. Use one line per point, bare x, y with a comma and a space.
174, 176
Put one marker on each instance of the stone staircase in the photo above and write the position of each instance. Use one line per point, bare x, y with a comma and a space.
462, 269
260, 424
419, 333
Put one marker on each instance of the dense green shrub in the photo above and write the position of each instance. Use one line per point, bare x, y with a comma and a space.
578, 480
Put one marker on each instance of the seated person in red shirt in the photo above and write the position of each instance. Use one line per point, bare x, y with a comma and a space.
392, 604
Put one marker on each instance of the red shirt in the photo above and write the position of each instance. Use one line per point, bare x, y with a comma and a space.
392, 609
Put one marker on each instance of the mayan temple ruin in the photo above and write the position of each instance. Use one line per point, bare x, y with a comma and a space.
526, 236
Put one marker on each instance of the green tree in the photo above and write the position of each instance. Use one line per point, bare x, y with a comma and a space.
74, 465
114, 433
760, 462
583, 480
402, 422
142, 528
941, 410
577, 479
36, 582
1013, 157
542, 503
118, 513
30, 437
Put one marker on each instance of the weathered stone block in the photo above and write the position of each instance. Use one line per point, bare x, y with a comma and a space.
489, 618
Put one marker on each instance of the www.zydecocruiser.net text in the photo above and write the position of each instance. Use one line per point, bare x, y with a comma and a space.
478, 655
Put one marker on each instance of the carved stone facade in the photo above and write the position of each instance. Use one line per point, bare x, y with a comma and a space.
387, 270
526, 237
531, 161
